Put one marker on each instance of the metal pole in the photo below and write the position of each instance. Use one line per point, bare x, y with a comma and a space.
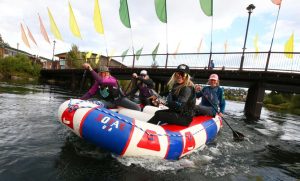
53, 49
250, 9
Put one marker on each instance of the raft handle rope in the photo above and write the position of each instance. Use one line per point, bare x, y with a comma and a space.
75, 106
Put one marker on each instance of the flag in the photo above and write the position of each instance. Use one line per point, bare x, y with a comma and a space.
289, 47
124, 13
277, 2
154, 52
97, 58
53, 26
256, 45
24, 37
124, 54
73, 24
43, 30
177, 48
97, 18
199, 46
161, 10
112, 53
30, 36
88, 55
207, 7
138, 53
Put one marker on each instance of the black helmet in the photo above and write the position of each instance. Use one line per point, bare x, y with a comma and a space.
183, 68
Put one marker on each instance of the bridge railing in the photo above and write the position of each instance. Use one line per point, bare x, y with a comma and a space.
256, 61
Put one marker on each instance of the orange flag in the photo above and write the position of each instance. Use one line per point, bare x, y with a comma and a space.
43, 30
277, 2
24, 37
30, 35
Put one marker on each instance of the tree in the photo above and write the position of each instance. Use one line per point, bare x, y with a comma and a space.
2, 41
74, 57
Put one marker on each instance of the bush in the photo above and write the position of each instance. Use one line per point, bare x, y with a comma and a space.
295, 103
277, 99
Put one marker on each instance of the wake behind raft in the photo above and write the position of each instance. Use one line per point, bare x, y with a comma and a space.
126, 132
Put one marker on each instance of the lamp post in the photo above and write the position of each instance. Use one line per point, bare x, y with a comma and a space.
53, 49
250, 9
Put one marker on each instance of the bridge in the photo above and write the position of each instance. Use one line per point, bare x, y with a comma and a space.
258, 72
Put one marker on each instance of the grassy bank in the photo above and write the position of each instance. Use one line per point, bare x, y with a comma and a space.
19, 68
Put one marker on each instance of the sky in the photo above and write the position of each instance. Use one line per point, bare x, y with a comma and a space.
186, 24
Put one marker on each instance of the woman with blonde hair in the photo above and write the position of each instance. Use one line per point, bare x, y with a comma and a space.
181, 100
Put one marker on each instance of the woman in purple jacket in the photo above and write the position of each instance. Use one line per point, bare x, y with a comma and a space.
108, 88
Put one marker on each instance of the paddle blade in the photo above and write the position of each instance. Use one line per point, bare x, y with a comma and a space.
237, 136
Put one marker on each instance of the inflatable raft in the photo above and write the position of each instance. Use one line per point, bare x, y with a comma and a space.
126, 132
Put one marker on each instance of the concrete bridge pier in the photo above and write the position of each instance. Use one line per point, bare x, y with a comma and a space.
254, 101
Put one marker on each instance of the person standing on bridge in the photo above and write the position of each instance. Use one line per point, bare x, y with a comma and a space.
213, 98
108, 88
144, 85
181, 100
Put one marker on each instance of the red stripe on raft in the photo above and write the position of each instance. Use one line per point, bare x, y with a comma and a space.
83, 119
196, 120
129, 139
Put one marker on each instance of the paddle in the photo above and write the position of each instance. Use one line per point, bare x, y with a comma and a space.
128, 86
237, 136
82, 81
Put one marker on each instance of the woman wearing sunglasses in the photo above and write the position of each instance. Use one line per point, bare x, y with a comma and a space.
144, 85
180, 100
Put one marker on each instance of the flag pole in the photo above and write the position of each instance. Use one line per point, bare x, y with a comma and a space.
166, 65
269, 53
211, 32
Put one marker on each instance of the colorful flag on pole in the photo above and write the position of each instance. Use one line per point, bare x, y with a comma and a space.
199, 46
124, 13
255, 42
73, 23
31, 36
97, 18
53, 26
177, 49
43, 30
207, 7
154, 52
124, 54
24, 37
161, 10
111, 54
289, 47
277, 2
88, 55
97, 58
138, 53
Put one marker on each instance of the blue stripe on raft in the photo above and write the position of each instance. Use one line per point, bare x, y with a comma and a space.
106, 131
175, 146
211, 129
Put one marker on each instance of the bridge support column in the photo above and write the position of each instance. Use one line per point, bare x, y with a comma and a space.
254, 101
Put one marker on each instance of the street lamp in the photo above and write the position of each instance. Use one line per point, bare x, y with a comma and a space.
53, 49
250, 9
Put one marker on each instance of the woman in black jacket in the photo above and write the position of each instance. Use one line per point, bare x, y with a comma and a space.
181, 100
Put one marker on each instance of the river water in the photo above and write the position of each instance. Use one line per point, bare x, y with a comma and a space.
35, 146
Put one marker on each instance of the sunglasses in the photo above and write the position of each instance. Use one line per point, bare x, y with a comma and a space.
182, 74
143, 75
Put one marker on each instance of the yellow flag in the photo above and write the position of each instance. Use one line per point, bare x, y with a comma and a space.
199, 46
97, 58
88, 55
24, 37
73, 24
256, 45
53, 26
289, 47
112, 53
177, 49
97, 18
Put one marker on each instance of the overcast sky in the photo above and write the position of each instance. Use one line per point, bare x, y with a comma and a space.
186, 24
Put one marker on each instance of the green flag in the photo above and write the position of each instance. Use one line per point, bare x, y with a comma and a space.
124, 14
161, 10
124, 54
154, 52
138, 53
207, 7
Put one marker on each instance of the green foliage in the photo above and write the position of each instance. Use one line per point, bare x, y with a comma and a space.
277, 99
74, 57
19, 65
295, 103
